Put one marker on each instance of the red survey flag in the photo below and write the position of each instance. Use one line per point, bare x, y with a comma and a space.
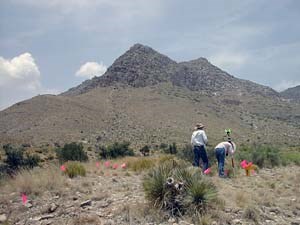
115, 166
97, 164
123, 166
107, 164
63, 168
207, 171
24, 198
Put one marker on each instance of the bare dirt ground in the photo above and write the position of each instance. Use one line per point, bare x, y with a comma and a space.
107, 196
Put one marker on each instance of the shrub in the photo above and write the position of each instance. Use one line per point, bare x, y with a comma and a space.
145, 150
141, 164
186, 153
178, 189
15, 158
74, 169
72, 152
115, 150
261, 155
31, 161
172, 149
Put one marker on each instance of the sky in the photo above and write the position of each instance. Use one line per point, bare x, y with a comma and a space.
49, 46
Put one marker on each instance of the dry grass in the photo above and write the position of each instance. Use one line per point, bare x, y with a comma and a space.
87, 219
242, 199
37, 181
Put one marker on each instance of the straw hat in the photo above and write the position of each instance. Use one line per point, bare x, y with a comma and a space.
199, 126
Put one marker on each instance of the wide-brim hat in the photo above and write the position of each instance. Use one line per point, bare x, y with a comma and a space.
199, 126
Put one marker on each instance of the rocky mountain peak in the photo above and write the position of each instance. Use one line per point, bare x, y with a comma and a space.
142, 66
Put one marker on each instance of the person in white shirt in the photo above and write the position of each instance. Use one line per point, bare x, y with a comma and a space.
222, 150
198, 141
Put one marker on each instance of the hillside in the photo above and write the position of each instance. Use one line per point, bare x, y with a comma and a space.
147, 98
292, 93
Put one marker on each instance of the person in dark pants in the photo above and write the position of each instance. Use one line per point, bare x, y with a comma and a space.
222, 150
198, 141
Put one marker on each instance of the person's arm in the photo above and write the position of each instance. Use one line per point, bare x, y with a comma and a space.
204, 138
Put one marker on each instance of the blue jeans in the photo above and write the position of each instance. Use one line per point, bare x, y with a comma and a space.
220, 155
200, 152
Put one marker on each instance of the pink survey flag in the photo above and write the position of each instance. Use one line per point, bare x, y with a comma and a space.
63, 168
24, 198
97, 164
207, 171
107, 164
123, 166
243, 164
115, 166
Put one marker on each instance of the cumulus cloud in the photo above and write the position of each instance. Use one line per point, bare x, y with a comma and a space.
19, 79
20, 72
91, 69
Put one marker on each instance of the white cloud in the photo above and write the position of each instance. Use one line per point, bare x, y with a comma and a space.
20, 72
91, 69
19, 79
228, 60
284, 84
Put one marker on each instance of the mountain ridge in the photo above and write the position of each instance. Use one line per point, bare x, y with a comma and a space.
142, 66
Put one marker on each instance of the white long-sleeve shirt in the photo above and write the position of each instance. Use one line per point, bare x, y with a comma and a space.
199, 138
229, 149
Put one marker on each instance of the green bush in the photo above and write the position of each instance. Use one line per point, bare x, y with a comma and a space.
172, 149
15, 158
260, 155
186, 153
115, 150
290, 157
31, 160
145, 150
72, 152
179, 189
74, 169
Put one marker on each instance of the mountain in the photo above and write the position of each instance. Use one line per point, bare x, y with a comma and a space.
292, 93
142, 66
147, 98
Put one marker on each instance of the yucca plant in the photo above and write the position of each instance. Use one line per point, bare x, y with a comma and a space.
177, 188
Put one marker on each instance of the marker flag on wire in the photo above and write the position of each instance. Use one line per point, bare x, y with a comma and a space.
115, 166
244, 164
207, 171
107, 164
97, 164
63, 168
24, 198
123, 166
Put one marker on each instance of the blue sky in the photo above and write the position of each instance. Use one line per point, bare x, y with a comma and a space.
51, 46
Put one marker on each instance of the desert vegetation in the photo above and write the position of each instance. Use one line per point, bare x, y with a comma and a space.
159, 189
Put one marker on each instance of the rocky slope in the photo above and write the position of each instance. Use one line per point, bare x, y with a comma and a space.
142, 66
292, 93
147, 98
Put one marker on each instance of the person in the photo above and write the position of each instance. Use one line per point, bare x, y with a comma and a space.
198, 141
222, 150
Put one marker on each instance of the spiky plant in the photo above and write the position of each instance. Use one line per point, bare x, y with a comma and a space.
178, 189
